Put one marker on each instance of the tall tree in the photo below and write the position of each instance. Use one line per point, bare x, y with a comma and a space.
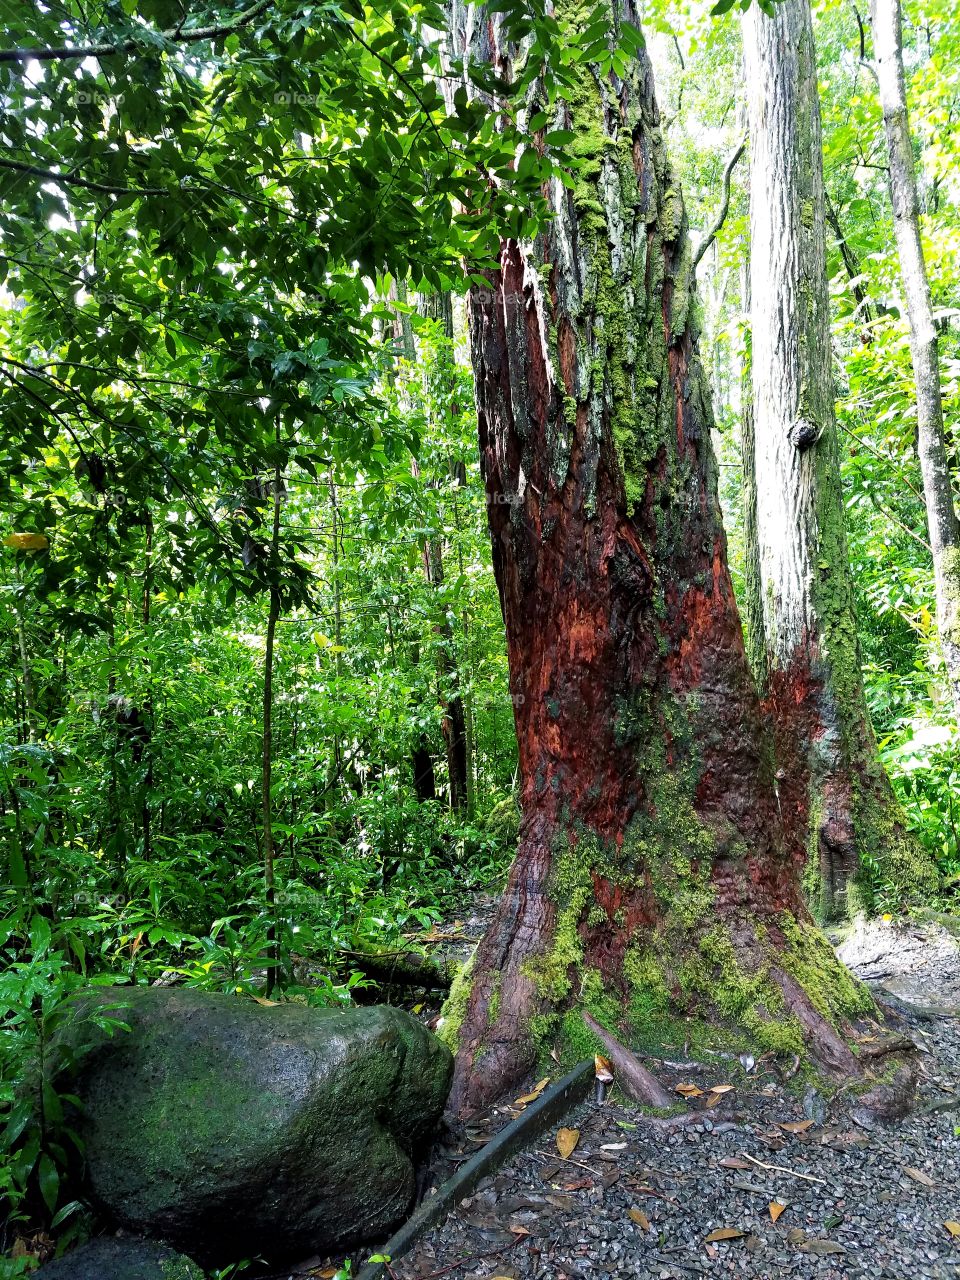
831, 781
942, 523
655, 876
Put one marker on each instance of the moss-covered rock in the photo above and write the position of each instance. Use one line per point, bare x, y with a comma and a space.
233, 1129
109, 1259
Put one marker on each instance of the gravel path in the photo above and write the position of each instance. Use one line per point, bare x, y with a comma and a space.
637, 1199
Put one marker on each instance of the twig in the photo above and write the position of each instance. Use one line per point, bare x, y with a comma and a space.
552, 1156
779, 1168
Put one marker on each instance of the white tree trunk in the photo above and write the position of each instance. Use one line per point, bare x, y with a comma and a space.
831, 777
938, 492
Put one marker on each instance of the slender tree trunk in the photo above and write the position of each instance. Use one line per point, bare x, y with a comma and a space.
148, 716
753, 591
830, 779
268, 846
942, 522
654, 878
439, 306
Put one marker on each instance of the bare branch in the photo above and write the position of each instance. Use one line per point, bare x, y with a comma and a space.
721, 217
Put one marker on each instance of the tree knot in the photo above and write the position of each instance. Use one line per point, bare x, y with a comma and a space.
803, 434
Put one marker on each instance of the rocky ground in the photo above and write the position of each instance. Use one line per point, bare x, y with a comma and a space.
772, 1181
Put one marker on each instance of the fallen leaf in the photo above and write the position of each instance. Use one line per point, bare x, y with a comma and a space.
267, 1004
796, 1126
567, 1140
796, 1235
822, 1247
580, 1185
731, 1162
327, 1272
776, 1208
603, 1068
919, 1176
725, 1233
721, 1088
26, 541
534, 1093
954, 1229
640, 1218
714, 1099
689, 1090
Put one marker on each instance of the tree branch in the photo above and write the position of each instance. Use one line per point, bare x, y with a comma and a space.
174, 34
721, 218
72, 180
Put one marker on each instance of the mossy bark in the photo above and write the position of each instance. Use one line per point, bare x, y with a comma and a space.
654, 875
830, 778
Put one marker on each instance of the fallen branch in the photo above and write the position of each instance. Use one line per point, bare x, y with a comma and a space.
399, 969
632, 1076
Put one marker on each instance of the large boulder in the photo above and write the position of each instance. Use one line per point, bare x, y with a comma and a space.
233, 1129
121, 1260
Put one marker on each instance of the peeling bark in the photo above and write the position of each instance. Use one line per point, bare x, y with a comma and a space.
652, 854
831, 779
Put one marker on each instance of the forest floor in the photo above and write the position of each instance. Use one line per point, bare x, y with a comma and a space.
635, 1198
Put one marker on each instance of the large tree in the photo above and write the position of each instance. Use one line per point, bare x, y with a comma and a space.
833, 785
942, 522
655, 875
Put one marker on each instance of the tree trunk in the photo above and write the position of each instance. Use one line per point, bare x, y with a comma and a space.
931, 445
654, 879
831, 782
266, 756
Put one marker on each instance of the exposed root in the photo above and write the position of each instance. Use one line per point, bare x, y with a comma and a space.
632, 1076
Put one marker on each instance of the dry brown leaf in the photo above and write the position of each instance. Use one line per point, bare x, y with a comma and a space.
567, 1140
689, 1090
527, 1097
714, 1099
776, 1208
640, 1218
725, 1233
822, 1247
796, 1126
919, 1176
267, 1004
721, 1088
796, 1235
731, 1162
953, 1228
327, 1273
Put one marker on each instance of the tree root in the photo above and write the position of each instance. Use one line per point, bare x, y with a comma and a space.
632, 1076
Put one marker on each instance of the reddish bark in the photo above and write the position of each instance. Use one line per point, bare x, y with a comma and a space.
626, 652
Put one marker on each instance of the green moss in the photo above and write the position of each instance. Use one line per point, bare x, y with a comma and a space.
810, 960
493, 1009
455, 1006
